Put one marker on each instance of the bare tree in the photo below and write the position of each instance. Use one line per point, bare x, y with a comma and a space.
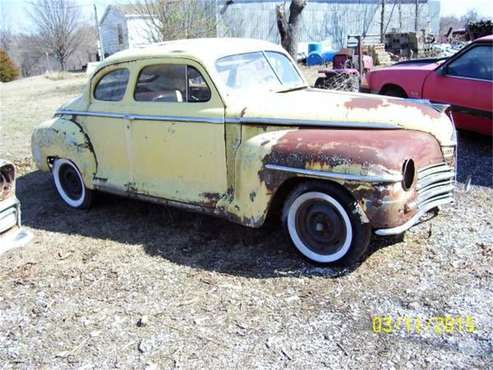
469, 17
449, 22
177, 19
28, 55
57, 27
5, 31
288, 27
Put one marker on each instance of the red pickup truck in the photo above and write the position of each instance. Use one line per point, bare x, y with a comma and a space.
464, 81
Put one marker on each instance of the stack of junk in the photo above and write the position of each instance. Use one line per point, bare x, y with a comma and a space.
343, 75
379, 55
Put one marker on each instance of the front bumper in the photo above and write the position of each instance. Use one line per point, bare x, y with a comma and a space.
12, 235
435, 188
414, 220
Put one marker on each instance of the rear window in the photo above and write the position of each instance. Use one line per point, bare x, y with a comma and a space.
112, 86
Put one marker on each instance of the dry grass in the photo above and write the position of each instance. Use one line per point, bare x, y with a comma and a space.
134, 285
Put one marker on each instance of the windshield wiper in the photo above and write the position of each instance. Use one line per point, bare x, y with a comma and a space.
302, 87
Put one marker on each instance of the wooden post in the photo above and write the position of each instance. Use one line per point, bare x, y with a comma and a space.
416, 17
400, 15
382, 22
360, 56
98, 33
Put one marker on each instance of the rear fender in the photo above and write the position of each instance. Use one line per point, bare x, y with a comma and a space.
63, 138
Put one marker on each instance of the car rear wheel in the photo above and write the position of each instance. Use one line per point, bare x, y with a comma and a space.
324, 225
69, 184
395, 91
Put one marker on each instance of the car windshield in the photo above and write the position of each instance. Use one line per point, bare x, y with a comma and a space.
268, 70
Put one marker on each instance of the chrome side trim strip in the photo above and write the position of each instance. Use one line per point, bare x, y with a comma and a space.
414, 220
88, 114
244, 120
141, 117
336, 176
302, 122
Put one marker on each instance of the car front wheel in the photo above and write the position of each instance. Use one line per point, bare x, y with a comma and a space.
324, 225
69, 184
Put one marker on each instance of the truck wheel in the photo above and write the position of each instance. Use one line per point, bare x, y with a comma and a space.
69, 184
324, 225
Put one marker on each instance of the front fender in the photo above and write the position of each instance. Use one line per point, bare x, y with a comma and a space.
364, 155
63, 138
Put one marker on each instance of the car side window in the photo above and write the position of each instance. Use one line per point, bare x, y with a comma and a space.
161, 83
198, 90
173, 83
112, 86
476, 63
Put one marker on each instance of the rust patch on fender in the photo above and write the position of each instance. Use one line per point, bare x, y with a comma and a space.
357, 152
378, 102
354, 151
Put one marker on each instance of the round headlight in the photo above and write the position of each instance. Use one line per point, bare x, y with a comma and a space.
408, 174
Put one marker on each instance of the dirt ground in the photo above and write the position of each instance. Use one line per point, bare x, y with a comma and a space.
133, 285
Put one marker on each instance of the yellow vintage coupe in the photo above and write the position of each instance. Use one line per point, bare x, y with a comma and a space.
231, 128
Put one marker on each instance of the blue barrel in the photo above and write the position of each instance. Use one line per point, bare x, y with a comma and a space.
328, 56
314, 59
315, 47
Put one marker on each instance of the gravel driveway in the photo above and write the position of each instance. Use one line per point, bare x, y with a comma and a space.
134, 285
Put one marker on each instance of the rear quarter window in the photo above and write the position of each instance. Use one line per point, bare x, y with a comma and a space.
112, 86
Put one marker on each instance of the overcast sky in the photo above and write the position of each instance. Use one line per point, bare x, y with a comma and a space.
460, 7
15, 10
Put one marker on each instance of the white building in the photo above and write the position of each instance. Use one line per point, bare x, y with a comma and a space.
122, 27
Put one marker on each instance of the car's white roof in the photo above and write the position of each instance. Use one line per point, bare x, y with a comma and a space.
205, 50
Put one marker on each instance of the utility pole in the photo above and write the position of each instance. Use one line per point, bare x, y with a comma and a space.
100, 41
382, 21
400, 15
416, 23
47, 63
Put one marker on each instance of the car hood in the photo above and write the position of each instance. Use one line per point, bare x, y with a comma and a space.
316, 107
413, 66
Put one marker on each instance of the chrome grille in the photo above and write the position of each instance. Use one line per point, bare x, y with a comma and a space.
435, 185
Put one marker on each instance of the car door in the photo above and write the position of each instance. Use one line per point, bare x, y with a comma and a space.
465, 82
105, 125
177, 133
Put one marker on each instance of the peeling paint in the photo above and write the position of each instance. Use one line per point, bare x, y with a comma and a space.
219, 166
63, 138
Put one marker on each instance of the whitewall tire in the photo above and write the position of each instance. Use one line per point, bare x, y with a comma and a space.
70, 184
321, 221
